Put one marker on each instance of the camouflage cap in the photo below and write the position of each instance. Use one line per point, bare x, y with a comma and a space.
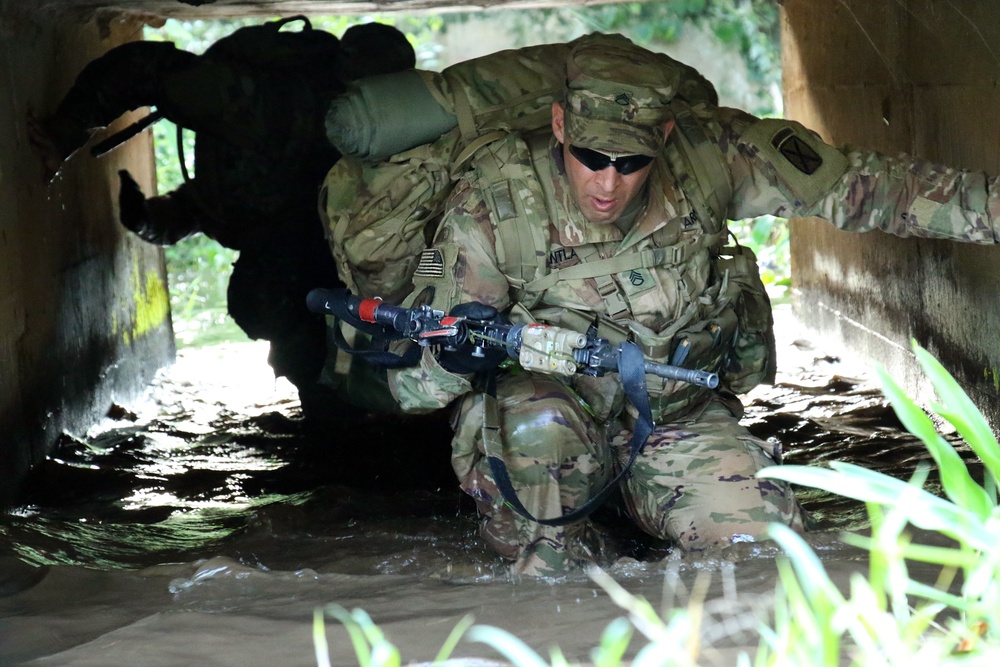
617, 96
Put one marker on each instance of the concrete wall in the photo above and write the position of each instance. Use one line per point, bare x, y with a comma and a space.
914, 76
84, 313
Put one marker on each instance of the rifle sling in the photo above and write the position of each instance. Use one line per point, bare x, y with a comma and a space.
337, 308
631, 369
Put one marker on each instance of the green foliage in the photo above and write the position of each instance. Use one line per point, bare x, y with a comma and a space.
199, 271
889, 617
371, 646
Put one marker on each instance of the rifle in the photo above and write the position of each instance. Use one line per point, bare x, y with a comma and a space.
536, 346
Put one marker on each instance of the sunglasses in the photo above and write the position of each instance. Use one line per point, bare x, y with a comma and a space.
596, 161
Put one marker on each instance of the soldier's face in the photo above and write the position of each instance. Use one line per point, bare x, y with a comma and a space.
602, 195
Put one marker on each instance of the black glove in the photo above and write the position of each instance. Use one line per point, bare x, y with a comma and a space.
461, 360
132, 208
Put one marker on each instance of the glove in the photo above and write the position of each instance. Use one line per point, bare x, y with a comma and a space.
461, 360
132, 209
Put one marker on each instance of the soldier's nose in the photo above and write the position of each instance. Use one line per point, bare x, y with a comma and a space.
607, 178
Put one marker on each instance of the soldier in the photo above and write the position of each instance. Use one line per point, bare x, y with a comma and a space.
617, 215
256, 101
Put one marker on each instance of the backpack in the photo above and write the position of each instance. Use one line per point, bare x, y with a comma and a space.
381, 205
381, 215
261, 89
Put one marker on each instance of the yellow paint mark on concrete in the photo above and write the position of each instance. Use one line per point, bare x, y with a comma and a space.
152, 305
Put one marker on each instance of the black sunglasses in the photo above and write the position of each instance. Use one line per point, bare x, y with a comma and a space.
596, 161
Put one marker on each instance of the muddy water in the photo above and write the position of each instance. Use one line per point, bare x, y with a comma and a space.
206, 526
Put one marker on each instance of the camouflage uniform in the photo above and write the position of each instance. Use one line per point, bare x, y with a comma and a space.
695, 481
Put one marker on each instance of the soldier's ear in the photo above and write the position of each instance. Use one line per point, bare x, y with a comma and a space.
668, 127
558, 117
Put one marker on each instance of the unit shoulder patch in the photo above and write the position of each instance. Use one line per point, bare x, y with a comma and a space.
797, 151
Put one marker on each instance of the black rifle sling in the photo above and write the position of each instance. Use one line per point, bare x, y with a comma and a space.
632, 372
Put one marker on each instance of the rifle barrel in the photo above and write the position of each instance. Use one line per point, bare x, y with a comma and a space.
700, 378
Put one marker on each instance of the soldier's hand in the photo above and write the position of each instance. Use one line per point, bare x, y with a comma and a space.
132, 208
462, 360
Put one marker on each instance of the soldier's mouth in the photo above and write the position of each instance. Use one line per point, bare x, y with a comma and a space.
603, 205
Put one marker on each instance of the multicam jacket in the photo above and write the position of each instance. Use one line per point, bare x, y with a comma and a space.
773, 167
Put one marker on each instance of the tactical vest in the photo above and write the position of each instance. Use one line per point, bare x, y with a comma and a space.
726, 328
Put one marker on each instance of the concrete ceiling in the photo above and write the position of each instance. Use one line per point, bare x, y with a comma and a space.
191, 9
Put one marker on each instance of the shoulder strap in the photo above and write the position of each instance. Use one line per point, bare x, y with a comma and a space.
512, 191
694, 152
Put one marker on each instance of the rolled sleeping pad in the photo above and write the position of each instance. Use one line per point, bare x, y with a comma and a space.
382, 115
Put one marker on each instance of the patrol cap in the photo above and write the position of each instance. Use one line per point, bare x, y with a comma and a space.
617, 96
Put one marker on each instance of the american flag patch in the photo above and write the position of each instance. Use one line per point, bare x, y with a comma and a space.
431, 264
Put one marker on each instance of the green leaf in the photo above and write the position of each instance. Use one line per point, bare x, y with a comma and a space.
453, 638
384, 654
614, 642
922, 553
955, 478
923, 509
320, 646
961, 412
361, 648
507, 644
811, 573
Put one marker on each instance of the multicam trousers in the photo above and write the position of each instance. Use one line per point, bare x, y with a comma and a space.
693, 484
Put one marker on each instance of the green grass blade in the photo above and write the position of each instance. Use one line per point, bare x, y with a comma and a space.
453, 638
320, 645
385, 654
812, 575
961, 412
955, 478
923, 509
614, 642
515, 650
361, 648
933, 594
945, 556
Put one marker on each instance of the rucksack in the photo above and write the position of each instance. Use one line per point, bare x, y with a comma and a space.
382, 209
381, 214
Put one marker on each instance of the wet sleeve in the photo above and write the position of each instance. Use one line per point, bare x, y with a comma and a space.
459, 267
781, 168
